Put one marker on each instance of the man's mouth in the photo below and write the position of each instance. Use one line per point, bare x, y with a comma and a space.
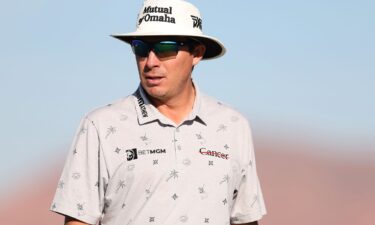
153, 80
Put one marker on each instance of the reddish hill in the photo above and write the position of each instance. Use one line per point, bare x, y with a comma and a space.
299, 188
302, 188
30, 200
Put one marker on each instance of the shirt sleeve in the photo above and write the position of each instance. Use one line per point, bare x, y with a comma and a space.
249, 204
80, 191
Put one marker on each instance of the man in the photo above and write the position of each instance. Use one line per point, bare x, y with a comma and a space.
168, 154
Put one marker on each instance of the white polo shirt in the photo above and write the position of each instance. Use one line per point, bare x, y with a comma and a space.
131, 165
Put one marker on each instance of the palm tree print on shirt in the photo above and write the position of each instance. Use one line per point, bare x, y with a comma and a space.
82, 130
186, 162
225, 179
222, 127
200, 138
173, 174
110, 130
202, 192
145, 139
123, 117
120, 185
80, 209
148, 193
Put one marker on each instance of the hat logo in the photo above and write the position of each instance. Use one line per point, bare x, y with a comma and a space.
147, 17
197, 22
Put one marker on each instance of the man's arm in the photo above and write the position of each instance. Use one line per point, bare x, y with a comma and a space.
252, 223
72, 221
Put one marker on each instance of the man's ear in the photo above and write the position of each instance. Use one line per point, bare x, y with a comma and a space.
198, 53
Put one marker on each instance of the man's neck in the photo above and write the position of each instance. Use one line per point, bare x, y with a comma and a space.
176, 108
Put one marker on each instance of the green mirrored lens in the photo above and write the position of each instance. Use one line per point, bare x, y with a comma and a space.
163, 49
166, 49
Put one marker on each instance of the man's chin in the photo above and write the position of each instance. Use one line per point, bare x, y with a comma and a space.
156, 93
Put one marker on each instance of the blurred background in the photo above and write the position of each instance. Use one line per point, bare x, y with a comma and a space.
301, 71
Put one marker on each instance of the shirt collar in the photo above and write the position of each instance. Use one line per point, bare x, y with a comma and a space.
147, 113
197, 113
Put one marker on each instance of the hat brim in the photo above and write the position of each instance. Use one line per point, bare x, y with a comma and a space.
214, 48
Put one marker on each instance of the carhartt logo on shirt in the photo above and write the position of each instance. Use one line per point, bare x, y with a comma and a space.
221, 155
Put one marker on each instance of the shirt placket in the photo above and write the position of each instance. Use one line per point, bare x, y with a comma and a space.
177, 139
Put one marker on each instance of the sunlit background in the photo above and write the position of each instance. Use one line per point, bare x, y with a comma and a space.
301, 71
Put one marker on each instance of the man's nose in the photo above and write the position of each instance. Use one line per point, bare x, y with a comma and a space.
152, 60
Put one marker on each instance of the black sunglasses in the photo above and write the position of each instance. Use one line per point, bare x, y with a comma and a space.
162, 49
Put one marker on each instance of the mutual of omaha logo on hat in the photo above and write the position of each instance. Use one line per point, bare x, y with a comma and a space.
173, 18
150, 14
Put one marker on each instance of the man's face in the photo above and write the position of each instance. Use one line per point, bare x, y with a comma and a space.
167, 78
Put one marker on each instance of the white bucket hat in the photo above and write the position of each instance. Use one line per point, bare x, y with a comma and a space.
173, 18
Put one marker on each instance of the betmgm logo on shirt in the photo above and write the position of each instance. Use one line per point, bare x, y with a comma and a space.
133, 153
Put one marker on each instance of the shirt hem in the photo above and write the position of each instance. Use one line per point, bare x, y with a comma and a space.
248, 218
84, 218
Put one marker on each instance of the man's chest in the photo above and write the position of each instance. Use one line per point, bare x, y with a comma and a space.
198, 150
153, 165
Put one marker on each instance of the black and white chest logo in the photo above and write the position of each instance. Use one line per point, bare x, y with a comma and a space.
133, 154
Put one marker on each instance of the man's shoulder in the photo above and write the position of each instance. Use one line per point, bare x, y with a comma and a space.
119, 107
214, 107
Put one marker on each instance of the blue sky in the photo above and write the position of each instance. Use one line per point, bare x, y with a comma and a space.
291, 66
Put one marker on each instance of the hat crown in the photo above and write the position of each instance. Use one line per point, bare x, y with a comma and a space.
169, 17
